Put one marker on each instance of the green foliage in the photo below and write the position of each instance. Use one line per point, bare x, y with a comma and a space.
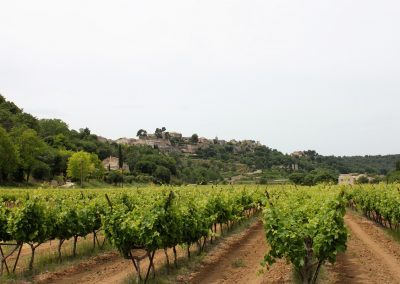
159, 132
141, 133
194, 139
155, 219
4, 215
31, 222
48, 140
379, 202
162, 175
398, 165
297, 177
145, 160
52, 127
8, 154
98, 169
362, 180
30, 148
120, 157
314, 177
306, 227
41, 171
80, 166
394, 176
60, 162
200, 173
114, 177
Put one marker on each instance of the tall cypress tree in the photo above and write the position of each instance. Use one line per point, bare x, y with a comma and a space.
120, 157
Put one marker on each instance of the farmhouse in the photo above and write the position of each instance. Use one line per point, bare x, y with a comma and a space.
112, 163
350, 179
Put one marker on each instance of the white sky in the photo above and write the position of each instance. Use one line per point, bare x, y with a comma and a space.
314, 74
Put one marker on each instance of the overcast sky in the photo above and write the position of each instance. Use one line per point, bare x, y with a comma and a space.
315, 74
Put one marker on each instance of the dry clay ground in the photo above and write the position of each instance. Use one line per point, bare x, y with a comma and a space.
371, 257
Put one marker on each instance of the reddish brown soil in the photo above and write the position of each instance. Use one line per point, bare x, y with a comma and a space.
371, 256
241, 266
238, 260
49, 248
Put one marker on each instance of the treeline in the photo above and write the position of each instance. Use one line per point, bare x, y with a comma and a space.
314, 168
40, 150
308, 169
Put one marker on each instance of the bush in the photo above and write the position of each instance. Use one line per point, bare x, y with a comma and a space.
162, 175
59, 179
114, 177
297, 178
41, 171
146, 167
144, 179
394, 176
362, 180
129, 179
263, 180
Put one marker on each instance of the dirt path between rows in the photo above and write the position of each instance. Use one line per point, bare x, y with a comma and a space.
110, 267
239, 261
371, 256
235, 259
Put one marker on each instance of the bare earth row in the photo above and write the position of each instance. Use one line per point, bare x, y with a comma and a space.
372, 257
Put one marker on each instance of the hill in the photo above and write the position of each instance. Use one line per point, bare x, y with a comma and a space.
40, 148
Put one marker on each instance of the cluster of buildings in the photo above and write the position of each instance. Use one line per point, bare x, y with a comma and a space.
176, 142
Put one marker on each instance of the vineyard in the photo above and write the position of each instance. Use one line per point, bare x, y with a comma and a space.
304, 225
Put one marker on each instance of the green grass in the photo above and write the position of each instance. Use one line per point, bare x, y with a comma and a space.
394, 234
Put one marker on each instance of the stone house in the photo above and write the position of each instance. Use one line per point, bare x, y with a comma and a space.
350, 179
112, 163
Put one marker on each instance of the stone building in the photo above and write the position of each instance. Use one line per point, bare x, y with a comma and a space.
112, 163
350, 179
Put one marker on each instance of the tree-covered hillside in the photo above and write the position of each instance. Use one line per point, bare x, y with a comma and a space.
34, 149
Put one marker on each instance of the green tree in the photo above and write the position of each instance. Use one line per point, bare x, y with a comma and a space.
98, 170
393, 176
114, 177
325, 175
61, 162
80, 166
398, 165
362, 180
52, 127
194, 139
7, 120
30, 147
8, 154
162, 174
41, 171
159, 132
120, 157
297, 178
141, 133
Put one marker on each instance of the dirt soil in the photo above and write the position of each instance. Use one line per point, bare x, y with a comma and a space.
45, 249
371, 256
238, 256
239, 261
